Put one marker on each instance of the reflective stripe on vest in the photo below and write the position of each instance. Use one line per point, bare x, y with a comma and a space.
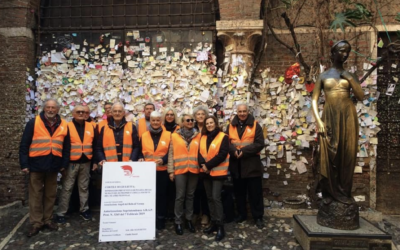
162, 148
213, 150
247, 137
43, 144
185, 159
77, 146
110, 147
142, 127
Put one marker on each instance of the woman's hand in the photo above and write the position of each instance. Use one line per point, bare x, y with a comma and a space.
171, 176
321, 127
159, 162
141, 159
203, 166
102, 162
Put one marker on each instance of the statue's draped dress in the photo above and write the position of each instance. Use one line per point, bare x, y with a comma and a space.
338, 150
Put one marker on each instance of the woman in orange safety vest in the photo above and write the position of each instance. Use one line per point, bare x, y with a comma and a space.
170, 120
183, 167
154, 147
214, 161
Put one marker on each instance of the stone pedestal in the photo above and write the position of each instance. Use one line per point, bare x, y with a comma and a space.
312, 236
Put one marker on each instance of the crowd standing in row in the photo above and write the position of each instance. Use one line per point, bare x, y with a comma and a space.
194, 155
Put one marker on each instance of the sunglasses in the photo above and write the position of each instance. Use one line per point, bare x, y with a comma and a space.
169, 115
81, 112
189, 120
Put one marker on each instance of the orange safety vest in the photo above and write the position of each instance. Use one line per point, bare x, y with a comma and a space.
185, 160
176, 128
110, 147
162, 148
222, 168
102, 124
77, 146
247, 137
93, 124
142, 127
43, 143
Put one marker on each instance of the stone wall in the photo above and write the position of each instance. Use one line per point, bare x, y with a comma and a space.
17, 53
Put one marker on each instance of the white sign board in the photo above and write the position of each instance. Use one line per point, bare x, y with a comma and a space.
128, 201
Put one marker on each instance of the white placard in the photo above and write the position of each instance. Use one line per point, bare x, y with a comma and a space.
128, 201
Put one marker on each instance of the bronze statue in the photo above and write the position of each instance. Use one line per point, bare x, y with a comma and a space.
338, 136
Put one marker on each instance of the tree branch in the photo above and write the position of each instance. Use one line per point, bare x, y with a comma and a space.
296, 44
279, 40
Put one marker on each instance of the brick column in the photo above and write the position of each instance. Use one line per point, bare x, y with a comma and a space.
17, 53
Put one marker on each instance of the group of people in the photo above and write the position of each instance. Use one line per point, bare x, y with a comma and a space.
185, 149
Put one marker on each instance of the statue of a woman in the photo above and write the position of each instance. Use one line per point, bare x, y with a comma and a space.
338, 137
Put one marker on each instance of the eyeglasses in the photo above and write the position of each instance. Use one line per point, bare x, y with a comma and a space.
189, 120
169, 115
81, 112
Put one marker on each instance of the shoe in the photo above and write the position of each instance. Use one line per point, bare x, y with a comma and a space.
60, 219
240, 219
178, 229
211, 228
51, 226
260, 223
160, 224
34, 231
220, 233
204, 220
86, 215
190, 226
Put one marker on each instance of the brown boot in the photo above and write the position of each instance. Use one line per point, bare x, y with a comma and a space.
33, 231
51, 226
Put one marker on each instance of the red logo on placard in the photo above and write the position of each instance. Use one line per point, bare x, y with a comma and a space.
128, 171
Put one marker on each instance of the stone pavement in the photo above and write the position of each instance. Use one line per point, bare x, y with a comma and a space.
80, 234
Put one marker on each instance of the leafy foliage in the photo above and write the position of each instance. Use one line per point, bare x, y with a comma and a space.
397, 18
346, 18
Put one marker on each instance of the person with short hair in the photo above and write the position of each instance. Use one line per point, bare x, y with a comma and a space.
107, 112
214, 160
83, 137
44, 150
246, 141
88, 118
183, 168
143, 124
154, 147
118, 141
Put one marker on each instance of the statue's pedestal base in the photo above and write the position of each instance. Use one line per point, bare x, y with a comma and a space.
312, 236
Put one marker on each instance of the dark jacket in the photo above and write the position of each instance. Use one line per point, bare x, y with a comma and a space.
220, 157
249, 165
156, 140
48, 163
119, 137
81, 131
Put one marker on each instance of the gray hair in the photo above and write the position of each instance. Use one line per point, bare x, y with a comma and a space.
170, 109
155, 114
199, 108
242, 104
118, 104
78, 106
51, 100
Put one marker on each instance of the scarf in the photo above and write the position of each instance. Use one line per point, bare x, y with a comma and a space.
170, 126
155, 131
187, 134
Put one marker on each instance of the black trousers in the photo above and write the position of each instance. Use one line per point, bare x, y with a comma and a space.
162, 180
251, 187
200, 201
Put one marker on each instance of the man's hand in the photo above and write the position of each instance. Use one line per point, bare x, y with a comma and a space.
171, 176
141, 159
95, 166
159, 162
25, 170
238, 155
203, 166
